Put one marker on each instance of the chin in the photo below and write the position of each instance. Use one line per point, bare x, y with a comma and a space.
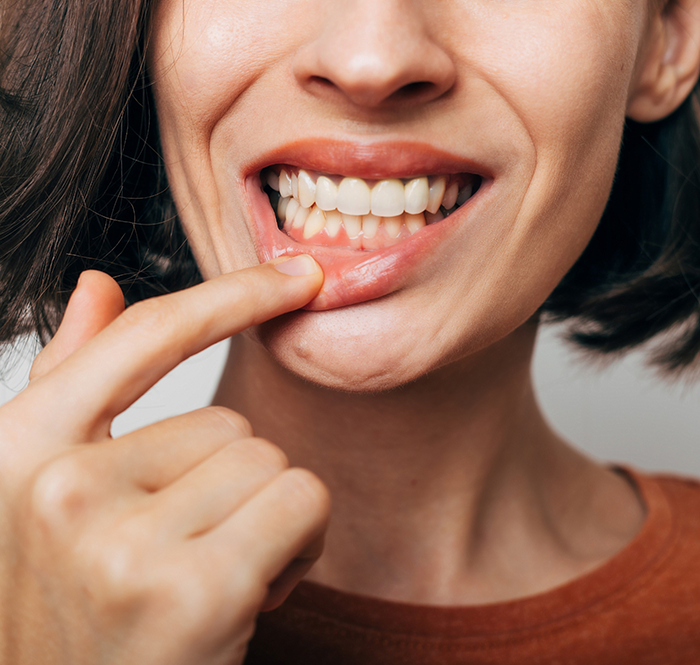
365, 357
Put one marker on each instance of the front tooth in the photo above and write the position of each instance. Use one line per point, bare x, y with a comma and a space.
300, 217
282, 205
334, 220
392, 226
437, 191
417, 193
295, 186
450, 198
415, 222
465, 194
326, 193
315, 222
370, 226
353, 197
273, 180
388, 198
292, 209
353, 225
307, 189
285, 183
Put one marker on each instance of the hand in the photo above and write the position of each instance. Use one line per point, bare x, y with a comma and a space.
159, 547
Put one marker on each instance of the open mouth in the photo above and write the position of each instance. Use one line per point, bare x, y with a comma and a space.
340, 211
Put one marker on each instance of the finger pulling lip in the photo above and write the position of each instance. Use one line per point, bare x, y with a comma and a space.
353, 276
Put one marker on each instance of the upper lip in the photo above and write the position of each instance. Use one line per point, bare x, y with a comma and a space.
368, 159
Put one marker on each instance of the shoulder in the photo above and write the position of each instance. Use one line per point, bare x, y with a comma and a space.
683, 496
673, 521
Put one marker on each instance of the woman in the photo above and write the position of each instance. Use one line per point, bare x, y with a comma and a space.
445, 164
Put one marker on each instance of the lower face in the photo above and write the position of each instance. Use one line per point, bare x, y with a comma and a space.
442, 219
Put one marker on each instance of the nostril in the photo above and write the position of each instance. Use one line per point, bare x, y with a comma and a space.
321, 81
414, 89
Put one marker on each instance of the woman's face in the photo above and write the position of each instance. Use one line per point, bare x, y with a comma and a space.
521, 103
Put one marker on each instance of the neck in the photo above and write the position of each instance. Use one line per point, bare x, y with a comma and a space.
436, 483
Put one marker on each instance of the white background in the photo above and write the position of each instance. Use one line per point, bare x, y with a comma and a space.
623, 413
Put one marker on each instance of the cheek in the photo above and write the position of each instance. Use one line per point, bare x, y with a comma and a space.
567, 86
564, 67
205, 53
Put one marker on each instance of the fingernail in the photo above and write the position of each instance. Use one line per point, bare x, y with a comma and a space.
298, 266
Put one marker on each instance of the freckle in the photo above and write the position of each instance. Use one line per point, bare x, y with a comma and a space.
414, 482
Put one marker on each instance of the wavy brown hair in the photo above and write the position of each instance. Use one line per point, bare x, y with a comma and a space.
82, 185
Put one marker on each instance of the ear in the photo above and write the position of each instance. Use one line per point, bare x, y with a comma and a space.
669, 62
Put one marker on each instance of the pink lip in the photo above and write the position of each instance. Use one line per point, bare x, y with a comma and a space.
354, 276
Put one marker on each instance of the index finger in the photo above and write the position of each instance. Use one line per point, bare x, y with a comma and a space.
152, 337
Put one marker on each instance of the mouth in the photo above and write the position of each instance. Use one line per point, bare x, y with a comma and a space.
331, 210
375, 215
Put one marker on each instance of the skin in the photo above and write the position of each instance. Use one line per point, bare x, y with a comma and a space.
415, 411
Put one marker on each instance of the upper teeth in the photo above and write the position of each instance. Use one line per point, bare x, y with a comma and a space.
354, 196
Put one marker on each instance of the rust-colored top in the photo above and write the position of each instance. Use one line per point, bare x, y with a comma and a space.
642, 607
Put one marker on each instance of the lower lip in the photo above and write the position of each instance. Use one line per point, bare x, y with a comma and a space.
352, 276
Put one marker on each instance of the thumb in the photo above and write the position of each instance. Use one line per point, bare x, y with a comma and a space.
95, 303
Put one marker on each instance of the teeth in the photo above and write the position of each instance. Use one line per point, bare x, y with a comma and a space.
464, 194
450, 198
292, 208
388, 198
311, 203
315, 223
392, 226
353, 197
307, 189
353, 225
313, 220
417, 195
437, 191
326, 193
334, 220
414, 222
300, 217
370, 226
282, 206
273, 180
285, 184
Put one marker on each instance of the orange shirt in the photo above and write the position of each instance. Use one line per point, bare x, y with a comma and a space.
642, 607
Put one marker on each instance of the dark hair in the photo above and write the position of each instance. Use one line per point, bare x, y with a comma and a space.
640, 273
82, 185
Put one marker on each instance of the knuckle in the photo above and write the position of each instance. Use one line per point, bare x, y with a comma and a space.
307, 492
117, 569
113, 574
61, 491
232, 419
266, 454
200, 600
196, 599
152, 316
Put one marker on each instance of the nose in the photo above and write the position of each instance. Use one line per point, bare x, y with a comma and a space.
376, 53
